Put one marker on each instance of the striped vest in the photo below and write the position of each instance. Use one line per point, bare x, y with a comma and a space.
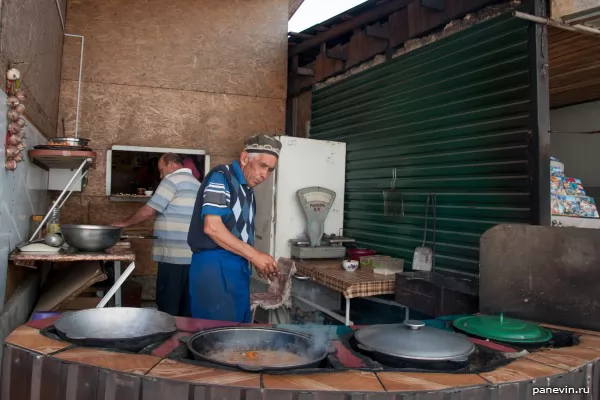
240, 222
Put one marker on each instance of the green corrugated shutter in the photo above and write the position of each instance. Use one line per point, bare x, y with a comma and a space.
453, 118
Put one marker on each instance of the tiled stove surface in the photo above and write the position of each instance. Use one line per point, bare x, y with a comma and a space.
149, 373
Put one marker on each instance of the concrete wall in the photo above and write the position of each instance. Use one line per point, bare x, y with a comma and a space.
31, 39
580, 153
562, 8
200, 74
22, 194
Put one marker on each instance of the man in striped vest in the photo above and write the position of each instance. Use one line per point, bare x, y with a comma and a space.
221, 234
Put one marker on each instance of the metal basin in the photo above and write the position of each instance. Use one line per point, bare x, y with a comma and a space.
91, 237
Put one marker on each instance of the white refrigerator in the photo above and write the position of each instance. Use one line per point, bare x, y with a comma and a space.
302, 163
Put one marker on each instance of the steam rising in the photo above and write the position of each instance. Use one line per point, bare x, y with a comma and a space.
312, 344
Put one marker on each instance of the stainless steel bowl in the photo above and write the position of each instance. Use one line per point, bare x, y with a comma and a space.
70, 141
91, 237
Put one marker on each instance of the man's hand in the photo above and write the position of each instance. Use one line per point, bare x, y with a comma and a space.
265, 265
142, 214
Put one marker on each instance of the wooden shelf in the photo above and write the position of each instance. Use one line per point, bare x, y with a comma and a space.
61, 159
129, 199
577, 222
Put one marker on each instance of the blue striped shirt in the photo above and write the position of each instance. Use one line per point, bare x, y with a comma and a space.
217, 201
174, 201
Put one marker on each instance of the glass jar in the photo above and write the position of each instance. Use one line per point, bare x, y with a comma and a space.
35, 222
53, 225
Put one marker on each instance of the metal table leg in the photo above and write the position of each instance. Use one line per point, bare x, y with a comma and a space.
390, 303
348, 323
118, 302
324, 310
117, 285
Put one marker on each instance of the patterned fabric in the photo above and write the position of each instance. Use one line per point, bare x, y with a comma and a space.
173, 201
360, 283
280, 289
224, 193
263, 144
218, 201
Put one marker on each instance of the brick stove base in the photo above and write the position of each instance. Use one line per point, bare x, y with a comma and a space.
38, 367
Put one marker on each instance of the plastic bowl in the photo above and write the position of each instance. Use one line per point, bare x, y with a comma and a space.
350, 265
356, 254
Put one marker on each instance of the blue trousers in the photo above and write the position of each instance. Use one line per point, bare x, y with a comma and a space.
172, 289
220, 286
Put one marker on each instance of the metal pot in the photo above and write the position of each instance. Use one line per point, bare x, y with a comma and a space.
414, 345
122, 328
95, 237
203, 345
504, 330
69, 141
91, 237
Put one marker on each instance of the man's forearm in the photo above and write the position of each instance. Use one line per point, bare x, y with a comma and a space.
225, 239
144, 213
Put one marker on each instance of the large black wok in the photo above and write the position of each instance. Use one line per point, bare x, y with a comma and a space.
121, 328
205, 344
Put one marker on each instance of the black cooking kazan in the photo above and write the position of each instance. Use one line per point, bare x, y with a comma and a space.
414, 345
407, 345
242, 347
124, 328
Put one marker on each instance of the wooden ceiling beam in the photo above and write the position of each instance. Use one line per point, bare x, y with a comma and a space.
303, 71
378, 31
300, 35
359, 21
336, 53
437, 5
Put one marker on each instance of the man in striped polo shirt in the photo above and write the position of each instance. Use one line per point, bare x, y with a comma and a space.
172, 203
222, 234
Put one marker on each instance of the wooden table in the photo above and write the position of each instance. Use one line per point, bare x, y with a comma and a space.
362, 283
117, 254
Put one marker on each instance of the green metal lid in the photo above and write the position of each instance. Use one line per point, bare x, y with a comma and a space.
502, 329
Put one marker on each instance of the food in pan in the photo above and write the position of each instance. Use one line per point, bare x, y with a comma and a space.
261, 358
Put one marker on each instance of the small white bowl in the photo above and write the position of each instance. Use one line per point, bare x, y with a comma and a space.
148, 192
350, 265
